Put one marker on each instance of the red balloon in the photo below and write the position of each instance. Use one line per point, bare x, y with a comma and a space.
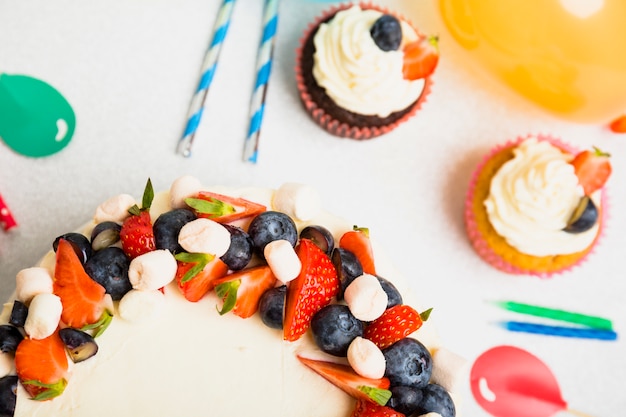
511, 382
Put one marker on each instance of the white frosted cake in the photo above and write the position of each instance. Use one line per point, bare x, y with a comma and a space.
164, 355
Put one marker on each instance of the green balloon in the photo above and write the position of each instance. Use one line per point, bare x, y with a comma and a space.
35, 119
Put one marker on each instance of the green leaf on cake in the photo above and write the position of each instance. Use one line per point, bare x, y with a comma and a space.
227, 292
212, 207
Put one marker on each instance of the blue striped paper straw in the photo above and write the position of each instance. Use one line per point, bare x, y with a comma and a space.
209, 66
263, 70
563, 331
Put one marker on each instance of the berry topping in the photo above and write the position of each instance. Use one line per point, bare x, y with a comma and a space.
8, 397
269, 226
321, 236
342, 376
408, 363
197, 272
19, 312
312, 289
405, 399
84, 300
42, 367
396, 323
104, 235
137, 235
223, 209
348, 268
80, 345
241, 291
592, 168
618, 125
80, 243
109, 268
358, 242
334, 328
10, 338
240, 251
584, 216
369, 409
167, 227
421, 58
393, 295
435, 399
271, 306
387, 33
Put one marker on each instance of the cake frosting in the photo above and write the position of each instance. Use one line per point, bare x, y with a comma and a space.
355, 72
162, 355
532, 197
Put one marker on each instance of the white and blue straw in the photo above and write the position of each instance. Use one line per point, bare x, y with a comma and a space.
263, 70
209, 66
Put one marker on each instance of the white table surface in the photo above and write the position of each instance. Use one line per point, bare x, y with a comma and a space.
129, 70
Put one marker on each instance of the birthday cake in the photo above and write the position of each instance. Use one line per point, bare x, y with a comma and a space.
219, 301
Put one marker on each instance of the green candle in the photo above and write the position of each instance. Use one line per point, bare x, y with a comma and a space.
557, 314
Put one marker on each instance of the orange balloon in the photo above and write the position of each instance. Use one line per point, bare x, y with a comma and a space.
567, 56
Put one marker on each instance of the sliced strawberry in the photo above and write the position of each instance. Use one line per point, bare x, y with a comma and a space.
197, 273
592, 168
358, 242
396, 323
242, 290
84, 301
313, 289
137, 235
369, 409
344, 377
222, 208
618, 125
42, 366
420, 58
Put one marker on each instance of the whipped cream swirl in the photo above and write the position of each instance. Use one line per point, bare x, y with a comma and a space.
355, 72
531, 199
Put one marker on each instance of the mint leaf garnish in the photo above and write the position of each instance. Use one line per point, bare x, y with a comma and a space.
380, 396
212, 207
199, 259
227, 291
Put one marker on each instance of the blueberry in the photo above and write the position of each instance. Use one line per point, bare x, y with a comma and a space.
80, 345
167, 227
387, 33
18, 314
269, 226
393, 295
271, 307
109, 268
8, 395
321, 236
334, 328
348, 268
584, 217
436, 399
240, 250
10, 337
79, 242
405, 399
408, 363
104, 235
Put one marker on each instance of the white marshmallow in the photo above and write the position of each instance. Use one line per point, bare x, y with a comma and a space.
366, 358
6, 364
431, 414
366, 298
44, 314
152, 270
182, 188
299, 201
204, 236
115, 209
283, 260
141, 306
449, 369
32, 281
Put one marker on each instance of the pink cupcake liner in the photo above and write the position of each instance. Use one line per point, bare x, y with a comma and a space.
327, 121
478, 241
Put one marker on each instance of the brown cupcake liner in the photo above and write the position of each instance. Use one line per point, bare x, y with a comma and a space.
325, 119
479, 242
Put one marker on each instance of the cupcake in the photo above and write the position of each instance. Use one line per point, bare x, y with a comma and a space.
362, 70
537, 206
